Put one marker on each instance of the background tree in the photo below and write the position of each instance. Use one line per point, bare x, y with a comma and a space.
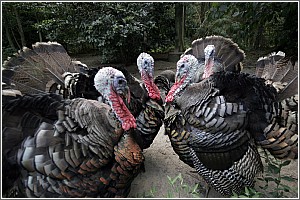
179, 26
119, 31
253, 25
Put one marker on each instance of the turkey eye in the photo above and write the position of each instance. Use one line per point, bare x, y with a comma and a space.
119, 82
182, 66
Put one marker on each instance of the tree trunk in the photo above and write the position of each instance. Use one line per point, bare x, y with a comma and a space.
7, 32
10, 41
259, 37
20, 28
39, 28
40, 35
179, 26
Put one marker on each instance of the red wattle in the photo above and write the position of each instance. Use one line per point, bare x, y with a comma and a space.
127, 119
152, 89
170, 95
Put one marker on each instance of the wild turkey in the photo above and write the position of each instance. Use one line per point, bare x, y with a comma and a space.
150, 118
55, 147
282, 74
47, 67
216, 116
224, 55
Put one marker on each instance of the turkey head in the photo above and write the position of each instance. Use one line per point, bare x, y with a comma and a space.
186, 67
209, 53
145, 64
215, 53
112, 85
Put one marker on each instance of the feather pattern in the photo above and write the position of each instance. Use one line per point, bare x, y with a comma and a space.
279, 71
216, 122
227, 53
34, 68
281, 137
69, 147
48, 68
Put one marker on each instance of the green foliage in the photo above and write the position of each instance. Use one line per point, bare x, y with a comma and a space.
150, 194
161, 37
178, 189
271, 184
7, 52
119, 31
252, 25
273, 177
247, 193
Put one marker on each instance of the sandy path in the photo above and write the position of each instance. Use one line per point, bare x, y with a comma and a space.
161, 161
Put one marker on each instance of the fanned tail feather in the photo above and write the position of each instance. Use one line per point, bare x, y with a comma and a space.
32, 70
282, 131
56, 57
280, 72
291, 80
227, 52
269, 67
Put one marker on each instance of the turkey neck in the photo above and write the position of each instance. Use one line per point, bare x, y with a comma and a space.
121, 111
209, 63
152, 89
174, 89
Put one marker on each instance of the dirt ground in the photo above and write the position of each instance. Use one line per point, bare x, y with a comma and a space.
161, 161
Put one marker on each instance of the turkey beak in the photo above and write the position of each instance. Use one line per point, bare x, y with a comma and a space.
177, 77
121, 87
125, 94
